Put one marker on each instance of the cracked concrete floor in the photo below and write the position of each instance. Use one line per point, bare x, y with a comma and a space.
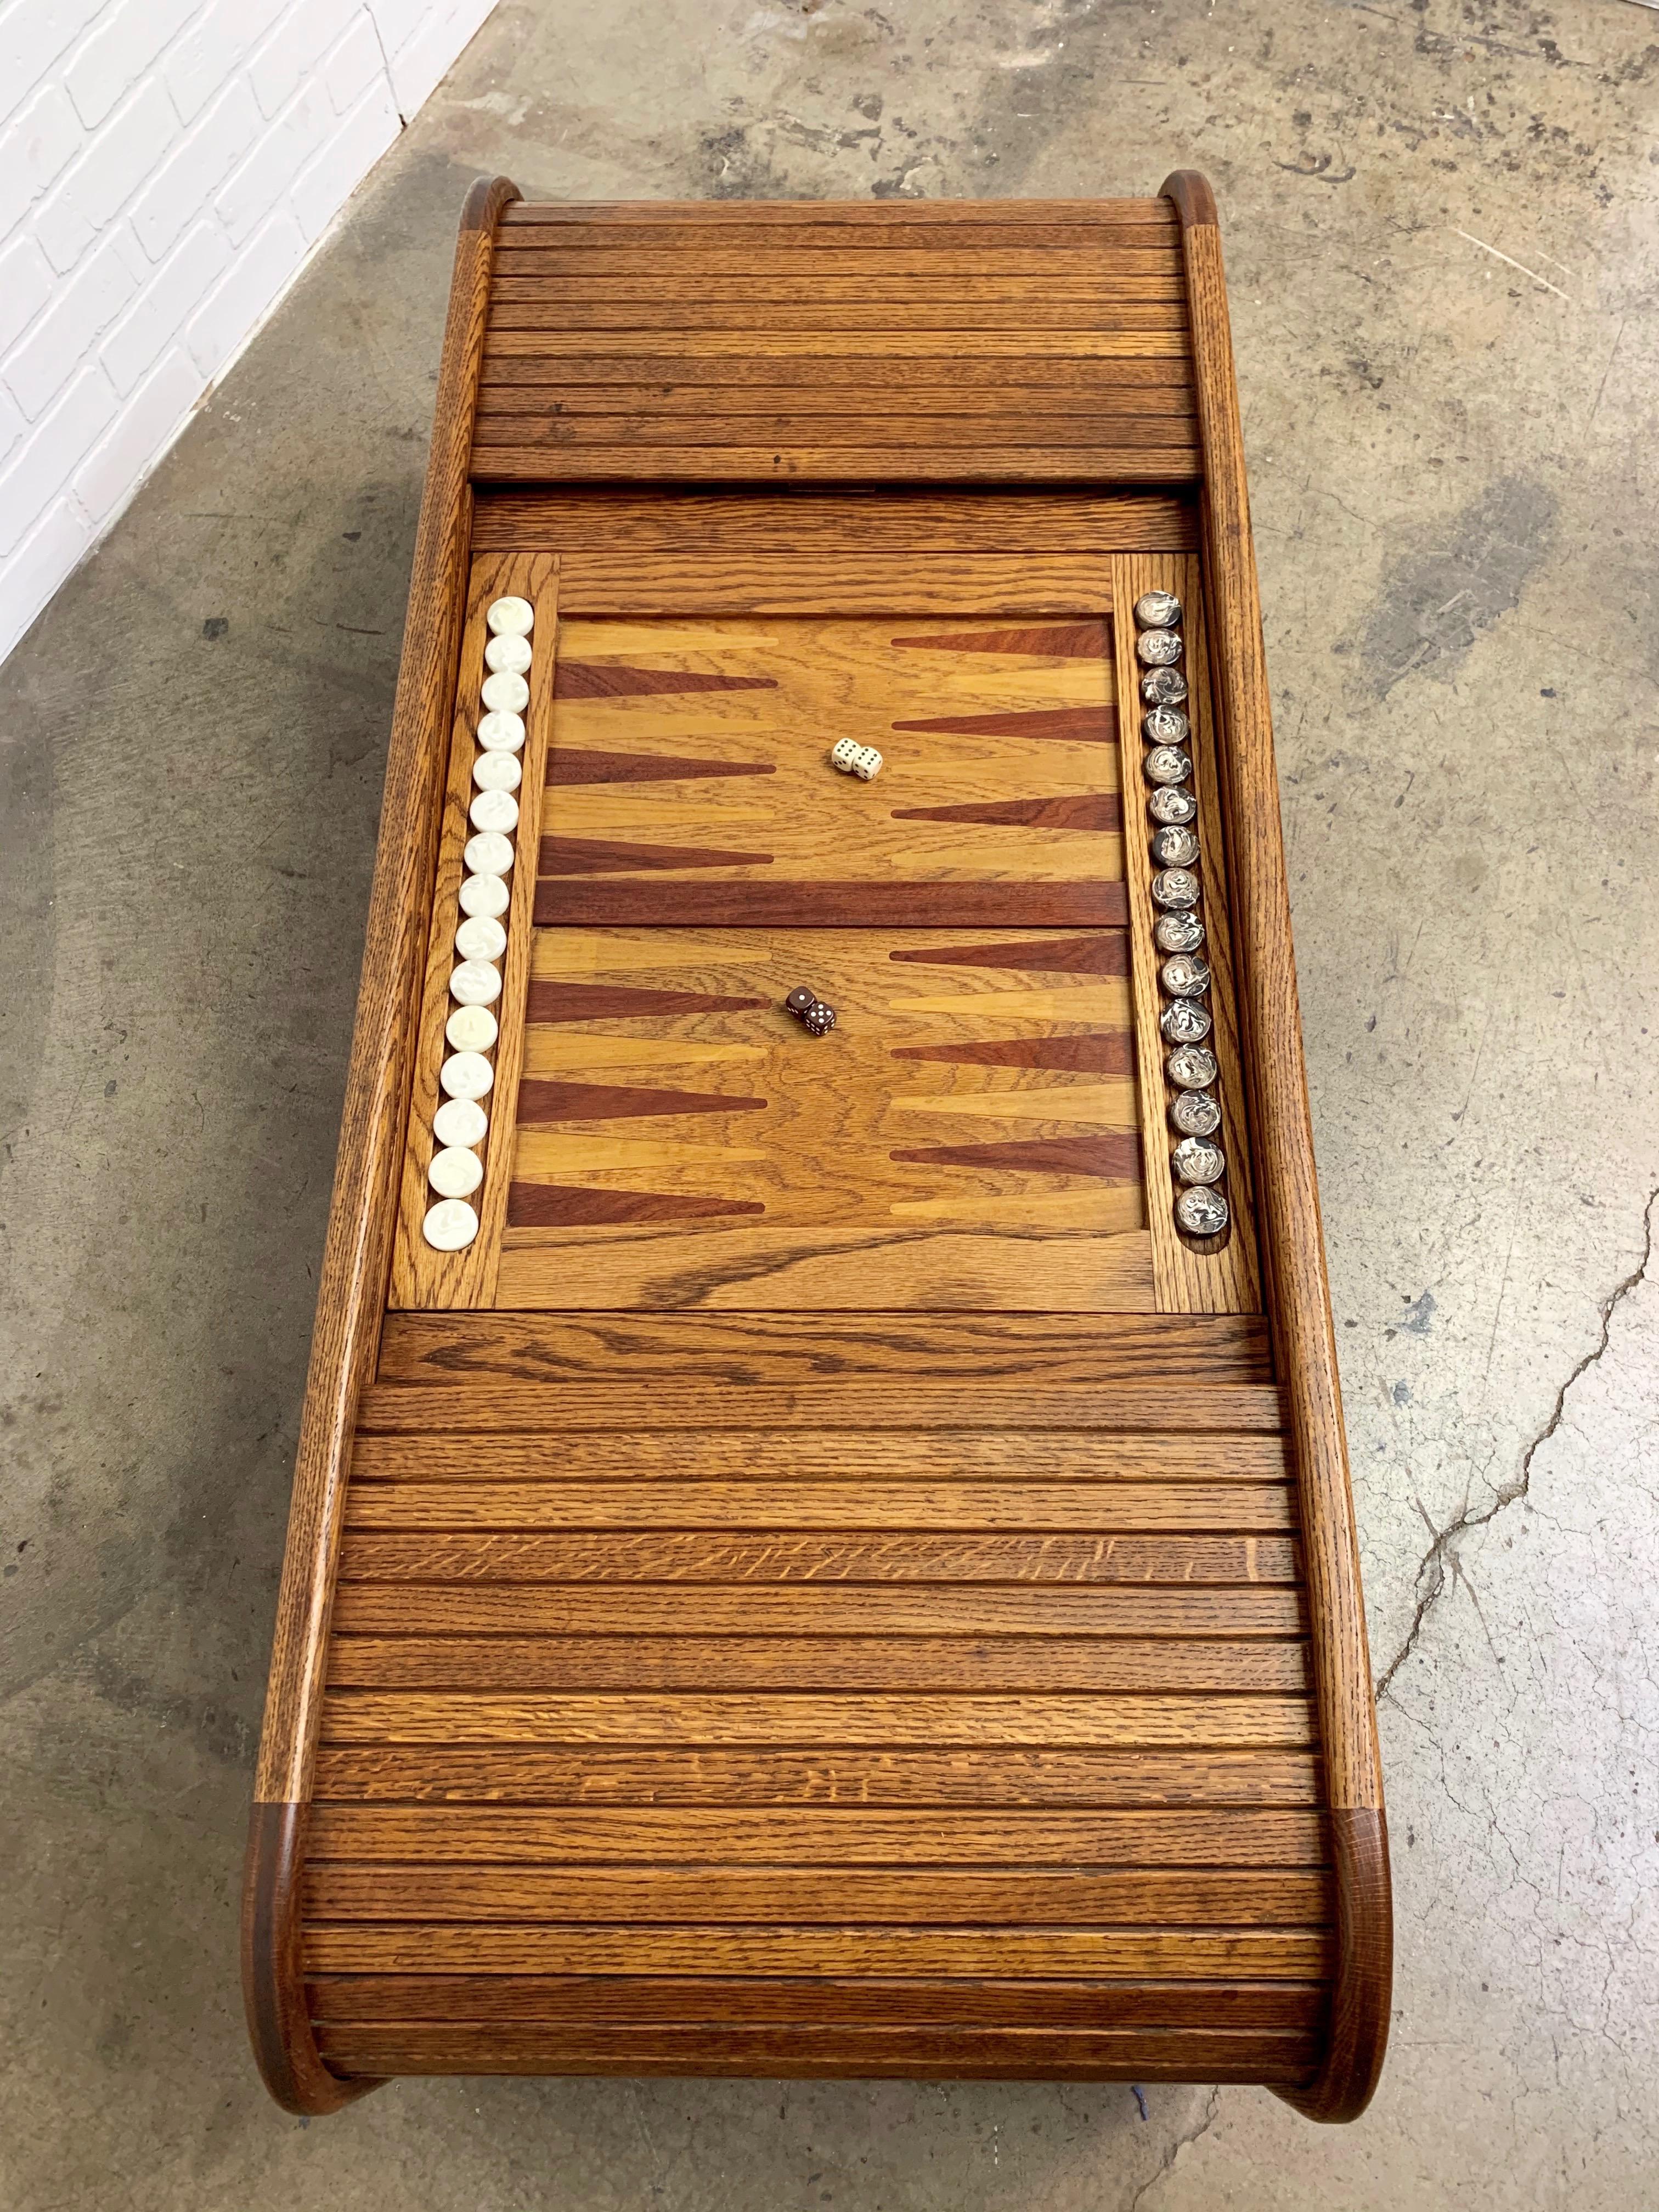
1441, 232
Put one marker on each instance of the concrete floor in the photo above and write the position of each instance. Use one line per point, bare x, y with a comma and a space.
1454, 465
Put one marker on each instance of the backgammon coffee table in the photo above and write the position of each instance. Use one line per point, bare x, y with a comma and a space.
822, 1540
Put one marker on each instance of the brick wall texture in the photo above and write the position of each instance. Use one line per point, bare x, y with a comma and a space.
166, 166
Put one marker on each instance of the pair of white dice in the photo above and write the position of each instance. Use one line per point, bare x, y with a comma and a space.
854, 759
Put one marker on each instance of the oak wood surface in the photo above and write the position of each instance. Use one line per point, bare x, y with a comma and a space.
509, 1608
1298, 1295
801, 288
545, 1408
971, 1093
738, 583
555, 1894
886, 2001
732, 1670
783, 1776
609, 1348
701, 745
390, 1947
934, 1664
420, 1275
698, 1556
536, 1505
811, 1460
832, 523
1190, 1276
507, 1835
1001, 2054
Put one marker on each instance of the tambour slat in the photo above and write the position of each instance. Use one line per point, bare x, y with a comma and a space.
1260, 1953
805, 1662
1158, 260
696, 522
694, 1557
1178, 1835
549, 1408
513, 1606
555, 1894
519, 366
768, 463
566, 2000
780, 1347
783, 1774
807, 1457
557, 435
836, 298
526, 395
1150, 2055
372, 1716
1029, 1507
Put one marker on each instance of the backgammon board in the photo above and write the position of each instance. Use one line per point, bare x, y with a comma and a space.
822, 1540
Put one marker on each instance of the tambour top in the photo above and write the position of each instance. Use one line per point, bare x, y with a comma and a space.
826, 342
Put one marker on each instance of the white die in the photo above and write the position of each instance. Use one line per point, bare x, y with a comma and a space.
854, 759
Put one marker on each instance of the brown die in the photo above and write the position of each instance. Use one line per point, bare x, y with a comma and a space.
814, 1015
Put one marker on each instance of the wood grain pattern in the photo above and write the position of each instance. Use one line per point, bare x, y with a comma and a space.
410, 1716
420, 1275
834, 2051
1262, 1954
548, 1409
935, 1664
514, 1835
697, 1556
668, 302
954, 726
1258, 1507
829, 525
955, 223
848, 1631
809, 1458
767, 462
635, 1113
1186, 1610
781, 1776
1191, 1277
738, 582
1299, 1297
555, 1894
709, 2000
613, 1347
361, 1211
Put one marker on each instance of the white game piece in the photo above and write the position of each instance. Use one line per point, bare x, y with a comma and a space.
460, 1121
470, 1029
484, 895
502, 734
475, 983
455, 1172
466, 1075
489, 855
480, 937
450, 1225
505, 694
510, 655
493, 810
496, 771
511, 617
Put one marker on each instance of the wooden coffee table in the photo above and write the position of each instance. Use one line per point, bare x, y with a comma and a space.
826, 1549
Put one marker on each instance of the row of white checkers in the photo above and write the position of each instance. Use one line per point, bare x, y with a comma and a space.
475, 983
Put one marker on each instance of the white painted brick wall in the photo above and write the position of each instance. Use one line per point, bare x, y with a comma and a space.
166, 166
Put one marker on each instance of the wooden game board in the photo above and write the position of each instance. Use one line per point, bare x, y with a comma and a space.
830, 1572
